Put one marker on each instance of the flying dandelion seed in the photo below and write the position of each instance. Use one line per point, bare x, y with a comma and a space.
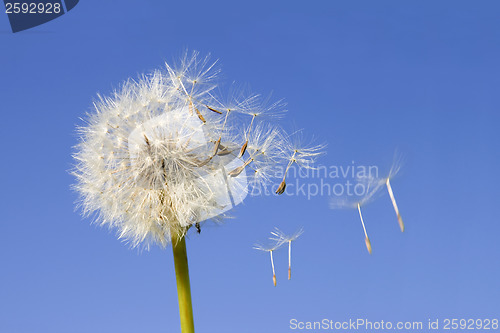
372, 186
163, 153
282, 238
269, 249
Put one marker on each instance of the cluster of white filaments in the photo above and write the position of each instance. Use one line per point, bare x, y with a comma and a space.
164, 153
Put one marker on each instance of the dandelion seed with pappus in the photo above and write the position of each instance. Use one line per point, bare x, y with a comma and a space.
372, 185
163, 153
270, 249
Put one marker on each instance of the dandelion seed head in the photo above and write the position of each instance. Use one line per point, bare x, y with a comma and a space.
154, 157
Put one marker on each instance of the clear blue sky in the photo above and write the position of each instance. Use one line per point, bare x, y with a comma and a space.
367, 77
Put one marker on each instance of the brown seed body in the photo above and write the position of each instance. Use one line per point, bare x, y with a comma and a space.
243, 149
368, 245
200, 115
281, 188
212, 109
216, 147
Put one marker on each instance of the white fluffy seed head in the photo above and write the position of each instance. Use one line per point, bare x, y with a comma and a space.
156, 156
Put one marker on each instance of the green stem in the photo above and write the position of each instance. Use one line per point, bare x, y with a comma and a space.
183, 286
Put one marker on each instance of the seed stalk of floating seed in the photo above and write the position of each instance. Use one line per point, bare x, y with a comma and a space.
272, 264
367, 240
393, 199
289, 259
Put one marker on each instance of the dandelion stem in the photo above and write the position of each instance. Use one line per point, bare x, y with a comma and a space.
183, 286
391, 194
272, 264
367, 240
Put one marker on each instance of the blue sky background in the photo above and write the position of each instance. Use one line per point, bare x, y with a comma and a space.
366, 77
